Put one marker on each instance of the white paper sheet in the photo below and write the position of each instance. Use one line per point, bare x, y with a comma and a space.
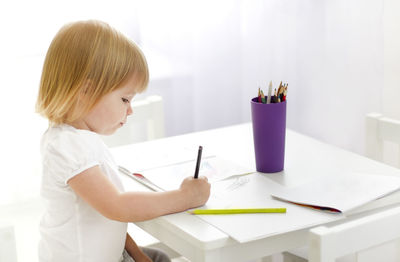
214, 168
252, 191
342, 192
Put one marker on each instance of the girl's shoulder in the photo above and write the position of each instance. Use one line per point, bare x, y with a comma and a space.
66, 136
67, 151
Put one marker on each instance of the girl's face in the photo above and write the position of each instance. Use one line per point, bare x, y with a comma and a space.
111, 112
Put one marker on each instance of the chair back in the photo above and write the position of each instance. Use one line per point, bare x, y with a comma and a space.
329, 243
8, 250
145, 123
380, 129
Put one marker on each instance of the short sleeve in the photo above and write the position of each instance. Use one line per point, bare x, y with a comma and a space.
69, 153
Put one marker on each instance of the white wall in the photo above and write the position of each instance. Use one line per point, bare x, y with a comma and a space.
331, 53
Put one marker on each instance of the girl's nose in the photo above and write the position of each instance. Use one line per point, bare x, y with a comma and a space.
130, 111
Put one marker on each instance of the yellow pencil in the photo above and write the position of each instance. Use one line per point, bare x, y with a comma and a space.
236, 211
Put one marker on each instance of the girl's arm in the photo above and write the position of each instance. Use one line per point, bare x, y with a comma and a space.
134, 251
97, 190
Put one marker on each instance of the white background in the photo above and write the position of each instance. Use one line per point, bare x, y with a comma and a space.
207, 59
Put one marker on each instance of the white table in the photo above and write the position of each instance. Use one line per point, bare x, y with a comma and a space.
305, 159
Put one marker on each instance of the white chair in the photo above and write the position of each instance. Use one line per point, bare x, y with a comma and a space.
146, 123
326, 244
380, 129
19, 230
8, 250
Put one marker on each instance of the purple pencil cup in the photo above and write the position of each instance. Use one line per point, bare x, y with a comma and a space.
269, 129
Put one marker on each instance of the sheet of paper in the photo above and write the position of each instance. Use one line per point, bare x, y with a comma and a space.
256, 189
343, 192
214, 168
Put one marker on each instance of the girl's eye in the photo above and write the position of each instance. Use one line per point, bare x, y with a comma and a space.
125, 100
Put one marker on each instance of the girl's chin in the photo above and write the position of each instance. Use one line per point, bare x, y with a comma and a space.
111, 131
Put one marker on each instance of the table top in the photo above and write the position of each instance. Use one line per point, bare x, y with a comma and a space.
305, 158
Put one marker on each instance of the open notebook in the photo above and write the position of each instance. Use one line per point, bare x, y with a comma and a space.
340, 193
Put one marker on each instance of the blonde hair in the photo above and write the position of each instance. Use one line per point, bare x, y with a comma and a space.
90, 57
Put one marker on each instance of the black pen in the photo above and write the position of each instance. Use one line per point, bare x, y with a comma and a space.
196, 172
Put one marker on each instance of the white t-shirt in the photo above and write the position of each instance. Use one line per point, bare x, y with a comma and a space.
71, 230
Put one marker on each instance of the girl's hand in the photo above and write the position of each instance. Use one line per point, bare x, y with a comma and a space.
196, 191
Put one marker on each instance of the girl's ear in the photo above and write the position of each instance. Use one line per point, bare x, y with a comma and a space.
84, 90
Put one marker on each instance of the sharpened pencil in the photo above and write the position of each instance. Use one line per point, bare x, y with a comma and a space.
196, 172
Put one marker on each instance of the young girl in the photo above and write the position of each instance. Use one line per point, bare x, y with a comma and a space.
90, 75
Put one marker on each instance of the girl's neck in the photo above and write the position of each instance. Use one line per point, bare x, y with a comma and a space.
79, 124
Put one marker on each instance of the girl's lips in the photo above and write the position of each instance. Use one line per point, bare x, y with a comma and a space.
123, 123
